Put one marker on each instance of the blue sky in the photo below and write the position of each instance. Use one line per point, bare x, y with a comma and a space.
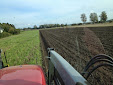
27, 13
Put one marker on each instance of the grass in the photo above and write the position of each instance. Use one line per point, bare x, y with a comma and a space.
22, 49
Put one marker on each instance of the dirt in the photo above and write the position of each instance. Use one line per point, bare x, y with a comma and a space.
78, 46
93, 43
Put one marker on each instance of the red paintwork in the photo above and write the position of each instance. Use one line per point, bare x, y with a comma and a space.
22, 75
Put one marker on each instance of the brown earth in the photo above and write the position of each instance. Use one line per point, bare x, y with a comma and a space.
93, 43
78, 46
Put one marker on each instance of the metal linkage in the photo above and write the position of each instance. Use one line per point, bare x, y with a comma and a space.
100, 65
1, 63
98, 58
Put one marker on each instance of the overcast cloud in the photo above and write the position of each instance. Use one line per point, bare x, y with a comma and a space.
27, 13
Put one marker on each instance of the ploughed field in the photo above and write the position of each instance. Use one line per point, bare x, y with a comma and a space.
79, 45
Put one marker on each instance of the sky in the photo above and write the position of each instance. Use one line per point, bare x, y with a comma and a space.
27, 13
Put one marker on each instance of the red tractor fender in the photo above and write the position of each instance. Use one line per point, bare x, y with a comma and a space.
22, 75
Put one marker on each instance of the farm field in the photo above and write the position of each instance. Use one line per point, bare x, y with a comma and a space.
23, 48
78, 45
94, 25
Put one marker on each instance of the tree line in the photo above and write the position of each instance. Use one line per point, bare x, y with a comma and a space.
51, 25
94, 17
45, 26
8, 29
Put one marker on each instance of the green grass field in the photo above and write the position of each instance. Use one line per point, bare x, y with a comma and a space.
23, 48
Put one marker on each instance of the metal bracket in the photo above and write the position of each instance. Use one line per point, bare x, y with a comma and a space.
0, 52
49, 49
47, 57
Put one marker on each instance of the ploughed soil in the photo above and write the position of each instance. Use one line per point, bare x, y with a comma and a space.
78, 46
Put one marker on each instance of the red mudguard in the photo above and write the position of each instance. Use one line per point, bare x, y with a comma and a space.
22, 75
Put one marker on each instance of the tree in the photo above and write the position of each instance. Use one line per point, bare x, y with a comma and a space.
93, 17
35, 27
103, 16
62, 25
41, 26
83, 17
66, 24
11, 30
58, 25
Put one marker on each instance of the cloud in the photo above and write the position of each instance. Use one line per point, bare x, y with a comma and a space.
50, 11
